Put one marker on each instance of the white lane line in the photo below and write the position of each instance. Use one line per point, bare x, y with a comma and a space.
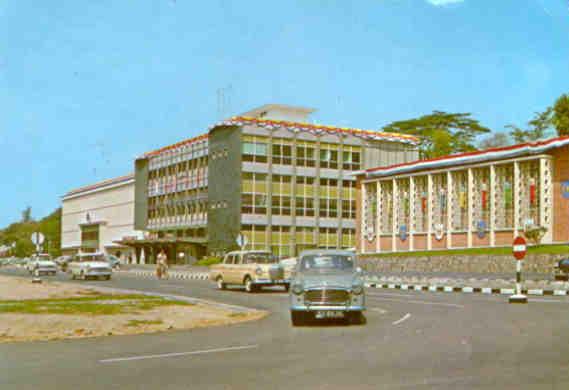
419, 302
165, 355
380, 311
544, 300
404, 318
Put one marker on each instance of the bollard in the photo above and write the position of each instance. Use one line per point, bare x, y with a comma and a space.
519, 251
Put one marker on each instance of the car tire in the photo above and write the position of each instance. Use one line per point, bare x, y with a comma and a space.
108, 277
82, 276
73, 276
287, 287
249, 285
220, 284
297, 318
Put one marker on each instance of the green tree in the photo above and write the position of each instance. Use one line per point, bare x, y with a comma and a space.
538, 128
441, 133
27, 215
561, 115
496, 140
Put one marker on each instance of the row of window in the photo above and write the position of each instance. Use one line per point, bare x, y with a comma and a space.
255, 203
305, 180
305, 156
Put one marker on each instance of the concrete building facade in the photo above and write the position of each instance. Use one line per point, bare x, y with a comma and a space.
96, 217
478, 199
285, 184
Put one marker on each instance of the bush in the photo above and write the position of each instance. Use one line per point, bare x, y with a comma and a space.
535, 233
206, 261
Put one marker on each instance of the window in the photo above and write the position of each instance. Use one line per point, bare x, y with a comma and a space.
282, 154
254, 151
305, 155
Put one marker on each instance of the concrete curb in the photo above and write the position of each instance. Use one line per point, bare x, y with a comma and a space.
468, 290
172, 275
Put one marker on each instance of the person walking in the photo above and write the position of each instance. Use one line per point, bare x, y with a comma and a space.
162, 265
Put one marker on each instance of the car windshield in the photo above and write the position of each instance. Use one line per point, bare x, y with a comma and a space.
259, 258
326, 262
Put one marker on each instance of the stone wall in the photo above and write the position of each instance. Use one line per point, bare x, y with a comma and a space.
458, 263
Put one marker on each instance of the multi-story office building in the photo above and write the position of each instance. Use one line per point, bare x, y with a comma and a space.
283, 183
97, 217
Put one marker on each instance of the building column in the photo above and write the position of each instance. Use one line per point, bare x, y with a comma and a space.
429, 211
546, 199
470, 207
449, 205
492, 198
378, 218
395, 206
411, 227
292, 244
516, 196
340, 189
363, 208
316, 189
269, 227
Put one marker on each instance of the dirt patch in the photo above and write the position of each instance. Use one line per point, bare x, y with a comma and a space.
44, 315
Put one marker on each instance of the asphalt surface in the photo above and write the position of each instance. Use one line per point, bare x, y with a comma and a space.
411, 340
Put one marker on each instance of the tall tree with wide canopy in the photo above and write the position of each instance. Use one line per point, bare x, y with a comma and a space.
538, 128
441, 133
561, 115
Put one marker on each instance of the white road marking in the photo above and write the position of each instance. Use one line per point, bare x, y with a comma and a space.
391, 295
380, 311
419, 302
547, 300
404, 318
165, 355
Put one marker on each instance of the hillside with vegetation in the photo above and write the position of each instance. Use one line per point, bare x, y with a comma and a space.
20, 234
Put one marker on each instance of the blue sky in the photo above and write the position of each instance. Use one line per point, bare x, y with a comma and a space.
86, 86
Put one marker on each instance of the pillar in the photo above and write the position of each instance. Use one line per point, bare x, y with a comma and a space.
470, 206
378, 218
449, 209
395, 206
429, 211
492, 196
411, 227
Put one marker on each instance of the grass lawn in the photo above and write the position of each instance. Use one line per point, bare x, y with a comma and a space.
91, 305
541, 249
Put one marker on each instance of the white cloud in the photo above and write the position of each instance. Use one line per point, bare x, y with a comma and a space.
442, 3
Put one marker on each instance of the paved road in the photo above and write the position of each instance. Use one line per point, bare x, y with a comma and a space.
412, 340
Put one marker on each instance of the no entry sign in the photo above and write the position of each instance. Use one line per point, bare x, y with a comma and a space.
519, 248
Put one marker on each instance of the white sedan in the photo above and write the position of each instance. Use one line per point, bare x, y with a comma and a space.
90, 265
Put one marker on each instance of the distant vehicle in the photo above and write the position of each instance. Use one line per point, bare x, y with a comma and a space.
252, 269
114, 261
288, 264
63, 261
561, 270
41, 264
90, 265
327, 284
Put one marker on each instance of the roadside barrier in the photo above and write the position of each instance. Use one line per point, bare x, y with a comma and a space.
172, 275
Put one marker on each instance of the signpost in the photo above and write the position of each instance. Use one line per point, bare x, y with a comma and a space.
242, 241
519, 250
37, 239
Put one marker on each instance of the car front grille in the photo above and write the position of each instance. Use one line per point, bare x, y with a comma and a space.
326, 296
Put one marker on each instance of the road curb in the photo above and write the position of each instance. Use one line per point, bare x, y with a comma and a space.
172, 275
465, 289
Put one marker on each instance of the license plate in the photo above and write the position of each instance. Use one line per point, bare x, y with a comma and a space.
329, 314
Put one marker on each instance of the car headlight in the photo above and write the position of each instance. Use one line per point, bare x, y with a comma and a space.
297, 289
259, 271
357, 289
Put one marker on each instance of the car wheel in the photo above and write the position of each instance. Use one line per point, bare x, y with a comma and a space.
108, 277
287, 287
297, 318
249, 285
356, 318
82, 276
73, 276
220, 284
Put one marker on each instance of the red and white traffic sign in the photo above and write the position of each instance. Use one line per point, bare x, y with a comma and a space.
520, 248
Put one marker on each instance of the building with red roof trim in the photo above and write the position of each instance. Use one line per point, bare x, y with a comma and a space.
476, 199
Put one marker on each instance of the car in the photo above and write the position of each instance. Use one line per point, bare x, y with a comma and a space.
41, 264
63, 261
90, 265
327, 284
288, 265
561, 270
114, 261
252, 269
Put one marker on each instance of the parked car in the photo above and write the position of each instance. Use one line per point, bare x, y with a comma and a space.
288, 264
63, 261
561, 270
327, 284
90, 265
252, 269
114, 261
41, 264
